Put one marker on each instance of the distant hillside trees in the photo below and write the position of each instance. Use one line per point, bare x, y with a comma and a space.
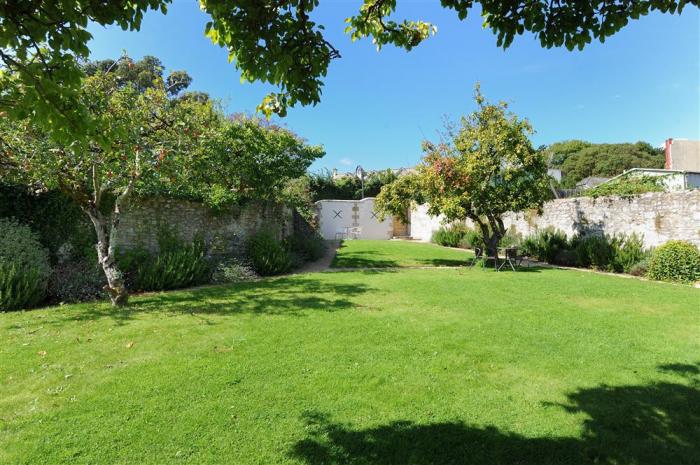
579, 159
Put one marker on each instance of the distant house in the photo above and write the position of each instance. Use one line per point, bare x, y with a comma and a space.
673, 180
590, 182
682, 155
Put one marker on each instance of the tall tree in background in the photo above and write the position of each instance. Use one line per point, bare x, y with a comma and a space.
42, 43
579, 159
484, 168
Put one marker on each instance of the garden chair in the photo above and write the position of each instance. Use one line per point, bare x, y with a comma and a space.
354, 233
341, 233
512, 258
480, 255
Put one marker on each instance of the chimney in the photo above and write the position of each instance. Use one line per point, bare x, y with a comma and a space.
669, 142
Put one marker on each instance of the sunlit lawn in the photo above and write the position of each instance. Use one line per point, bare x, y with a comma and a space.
438, 366
382, 254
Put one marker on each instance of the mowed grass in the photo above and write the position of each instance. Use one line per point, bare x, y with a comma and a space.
439, 366
383, 254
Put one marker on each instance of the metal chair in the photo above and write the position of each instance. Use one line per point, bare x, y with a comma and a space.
341, 233
355, 232
512, 258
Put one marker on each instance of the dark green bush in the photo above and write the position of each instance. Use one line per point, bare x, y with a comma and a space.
640, 268
268, 255
450, 236
24, 266
595, 251
308, 247
545, 245
675, 261
177, 264
20, 286
629, 251
470, 239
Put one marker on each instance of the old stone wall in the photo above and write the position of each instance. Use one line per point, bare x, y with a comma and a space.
657, 216
225, 232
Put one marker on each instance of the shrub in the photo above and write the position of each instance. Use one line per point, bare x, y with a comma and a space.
595, 251
627, 187
307, 247
629, 251
640, 268
24, 266
450, 236
177, 264
471, 238
545, 245
20, 245
20, 286
232, 271
75, 281
675, 261
268, 255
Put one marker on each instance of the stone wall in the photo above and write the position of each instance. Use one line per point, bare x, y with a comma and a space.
657, 216
225, 231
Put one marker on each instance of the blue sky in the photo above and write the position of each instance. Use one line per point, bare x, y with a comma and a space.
642, 84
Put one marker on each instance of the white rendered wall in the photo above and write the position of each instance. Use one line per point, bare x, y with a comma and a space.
352, 213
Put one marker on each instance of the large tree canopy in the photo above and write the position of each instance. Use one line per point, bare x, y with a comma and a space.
275, 41
578, 159
484, 167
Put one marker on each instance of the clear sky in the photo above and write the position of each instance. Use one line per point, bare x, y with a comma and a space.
641, 84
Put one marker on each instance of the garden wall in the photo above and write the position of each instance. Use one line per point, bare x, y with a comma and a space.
226, 231
657, 216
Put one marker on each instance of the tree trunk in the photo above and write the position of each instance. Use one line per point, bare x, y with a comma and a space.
115, 287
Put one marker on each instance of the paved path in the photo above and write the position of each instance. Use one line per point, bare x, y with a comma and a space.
323, 263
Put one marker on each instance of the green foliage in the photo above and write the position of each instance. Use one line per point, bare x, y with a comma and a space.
249, 158
42, 44
232, 271
675, 261
308, 247
397, 197
640, 268
173, 268
578, 159
20, 286
177, 263
24, 266
20, 246
323, 186
627, 186
58, 222
597, 251
485, 168
545, 245
268, 255
629, 252
448, 236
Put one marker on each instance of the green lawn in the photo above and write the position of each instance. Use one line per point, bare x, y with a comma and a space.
392, 367
383, 254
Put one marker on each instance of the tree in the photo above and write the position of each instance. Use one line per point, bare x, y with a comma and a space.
250, 158
138, 139
578, 159
42, 43
481, 170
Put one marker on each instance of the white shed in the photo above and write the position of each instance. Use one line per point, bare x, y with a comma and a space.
337, 217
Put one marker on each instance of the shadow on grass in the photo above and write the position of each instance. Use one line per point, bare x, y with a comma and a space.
652, 424
294, 295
